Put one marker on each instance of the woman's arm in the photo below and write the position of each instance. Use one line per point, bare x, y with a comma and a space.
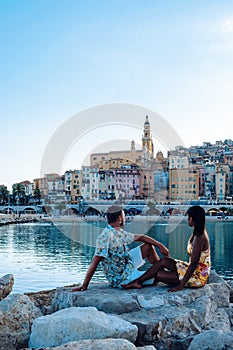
194, 260
90, 272
146, 239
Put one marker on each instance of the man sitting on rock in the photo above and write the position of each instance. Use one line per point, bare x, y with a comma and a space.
120, 264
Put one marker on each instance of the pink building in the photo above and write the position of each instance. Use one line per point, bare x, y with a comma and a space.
127, 181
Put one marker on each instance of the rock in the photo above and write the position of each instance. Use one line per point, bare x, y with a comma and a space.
42, 300
230, 314
101, 296
17, 313
161, 319
99, 344
215, 278
212, 340
116, 301
230, 284
78, 323
221, 321
6, 285
221, 294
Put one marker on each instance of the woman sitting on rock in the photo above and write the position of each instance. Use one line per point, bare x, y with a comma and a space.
182, 274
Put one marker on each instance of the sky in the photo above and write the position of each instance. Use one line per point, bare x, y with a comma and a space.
62, 57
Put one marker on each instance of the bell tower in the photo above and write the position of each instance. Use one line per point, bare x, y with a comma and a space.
147, 142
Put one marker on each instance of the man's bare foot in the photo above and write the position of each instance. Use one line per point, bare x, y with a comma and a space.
133, 284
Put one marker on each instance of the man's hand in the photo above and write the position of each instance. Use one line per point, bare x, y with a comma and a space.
79, 289
163, 250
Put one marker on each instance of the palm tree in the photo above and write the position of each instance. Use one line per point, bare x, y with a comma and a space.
4, 193
18, 192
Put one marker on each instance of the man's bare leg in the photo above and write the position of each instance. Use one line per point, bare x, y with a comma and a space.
148, 251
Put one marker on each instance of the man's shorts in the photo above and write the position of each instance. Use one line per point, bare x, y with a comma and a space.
138, 261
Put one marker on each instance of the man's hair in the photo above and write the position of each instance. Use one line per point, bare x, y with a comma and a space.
113, 213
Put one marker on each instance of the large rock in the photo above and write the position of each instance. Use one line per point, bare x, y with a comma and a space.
99, 344
165, 320
101, 296
6, 285
17, 313
78, 324
161, 317
113, 300
212, 340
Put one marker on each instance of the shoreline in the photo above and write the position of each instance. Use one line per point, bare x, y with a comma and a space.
7, 219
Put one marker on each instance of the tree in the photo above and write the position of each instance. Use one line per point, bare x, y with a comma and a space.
4, 193
37, 195
19, 192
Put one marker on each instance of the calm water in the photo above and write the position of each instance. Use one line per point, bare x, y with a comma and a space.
44, 256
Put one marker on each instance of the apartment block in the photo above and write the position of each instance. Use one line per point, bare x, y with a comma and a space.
94, 182
127, 182
56, 188
184, 184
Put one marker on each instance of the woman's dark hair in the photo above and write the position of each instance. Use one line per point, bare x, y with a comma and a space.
113, 213
197, 213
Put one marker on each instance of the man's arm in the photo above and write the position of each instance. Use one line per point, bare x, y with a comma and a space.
90, 272
146, 239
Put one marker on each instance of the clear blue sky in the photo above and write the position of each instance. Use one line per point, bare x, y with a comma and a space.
61, 57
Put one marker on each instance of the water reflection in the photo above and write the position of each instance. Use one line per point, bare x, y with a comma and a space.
43, 256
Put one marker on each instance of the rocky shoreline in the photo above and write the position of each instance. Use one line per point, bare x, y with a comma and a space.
106, 318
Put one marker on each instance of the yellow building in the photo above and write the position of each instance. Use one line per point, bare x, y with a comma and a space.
183, 184
143, 158
116, 159
73, 185
222, 181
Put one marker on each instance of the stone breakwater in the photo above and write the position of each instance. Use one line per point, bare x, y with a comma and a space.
107, 318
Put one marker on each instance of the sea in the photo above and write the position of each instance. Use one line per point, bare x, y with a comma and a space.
46, 255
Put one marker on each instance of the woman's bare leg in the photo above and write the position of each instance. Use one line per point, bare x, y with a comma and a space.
168, 277
163, 263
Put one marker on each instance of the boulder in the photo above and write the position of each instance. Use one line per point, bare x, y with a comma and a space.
42, 299
101, 296
221, 320
117, 301
212, 340
99, 344
230, 284
17, 313
6, 285
147, 316
221, 294
161, 317
215, 278
78, 323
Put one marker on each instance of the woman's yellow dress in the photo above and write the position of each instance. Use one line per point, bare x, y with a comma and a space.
202, 271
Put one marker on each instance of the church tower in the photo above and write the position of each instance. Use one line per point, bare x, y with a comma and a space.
147, 142
133, 146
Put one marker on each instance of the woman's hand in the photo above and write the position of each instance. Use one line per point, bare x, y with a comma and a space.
176, 288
